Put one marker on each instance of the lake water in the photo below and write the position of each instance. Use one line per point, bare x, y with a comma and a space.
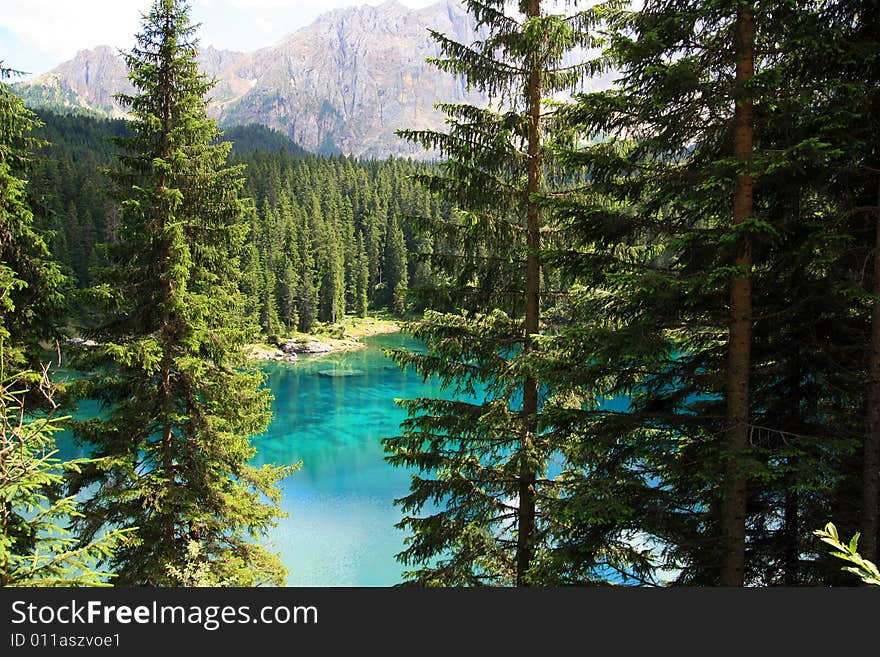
340, 529
341, 514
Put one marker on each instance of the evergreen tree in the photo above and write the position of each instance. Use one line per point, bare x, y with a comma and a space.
250, 281
180, 405
350, 263
342, 192
36, 546
372, 231
702, 219
307, 293
362, 278
306, 301
269, 319
333, 283
329, 261
484, 461
850, 30
287, 286
37, 295
395, 277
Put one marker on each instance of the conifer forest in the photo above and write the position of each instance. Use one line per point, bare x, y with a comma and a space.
653, 307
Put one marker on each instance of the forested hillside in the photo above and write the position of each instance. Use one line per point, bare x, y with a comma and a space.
651, 314
327, 234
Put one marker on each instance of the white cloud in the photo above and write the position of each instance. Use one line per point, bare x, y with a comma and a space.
59, 29
258, 4
48, 32
251, 24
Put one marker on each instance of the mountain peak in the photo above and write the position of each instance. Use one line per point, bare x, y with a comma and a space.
100, 50
344, 83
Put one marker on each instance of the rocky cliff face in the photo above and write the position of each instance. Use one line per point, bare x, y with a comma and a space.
355, 76
344, 83
88, 81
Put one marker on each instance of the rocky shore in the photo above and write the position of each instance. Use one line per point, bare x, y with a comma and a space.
289, 351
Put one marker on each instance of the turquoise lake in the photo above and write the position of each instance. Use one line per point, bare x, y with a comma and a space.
340, 529
341, 513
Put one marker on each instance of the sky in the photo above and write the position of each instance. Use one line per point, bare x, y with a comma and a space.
37, 35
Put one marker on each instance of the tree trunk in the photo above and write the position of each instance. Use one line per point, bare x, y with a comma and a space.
167, 453
871, 460
791, 556
733, 506
167, 293
5, 477
525, 544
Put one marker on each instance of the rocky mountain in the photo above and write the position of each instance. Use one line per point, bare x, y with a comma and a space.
344, 83
86, 82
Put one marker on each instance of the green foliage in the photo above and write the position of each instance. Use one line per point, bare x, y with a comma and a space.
34, 303
576, 260
248, 139
36, 545
196, 572
169, 369
362, 279
313, 213
295, 195
650, 244
863, 569
478, 507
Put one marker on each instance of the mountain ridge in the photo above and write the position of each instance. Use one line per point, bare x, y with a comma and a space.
344, 83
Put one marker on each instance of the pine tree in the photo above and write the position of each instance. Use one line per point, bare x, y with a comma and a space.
344, 192
38, 296
350, 264
328, 262
702, 256
36, 545
287, 286
306, 301
250, 281
852, 33
484, 461
362, 277
395, 276
333, 282
180, 403
270, 322
372, 231
307, 295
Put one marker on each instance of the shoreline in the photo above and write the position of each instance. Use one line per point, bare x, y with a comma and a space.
313, 346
